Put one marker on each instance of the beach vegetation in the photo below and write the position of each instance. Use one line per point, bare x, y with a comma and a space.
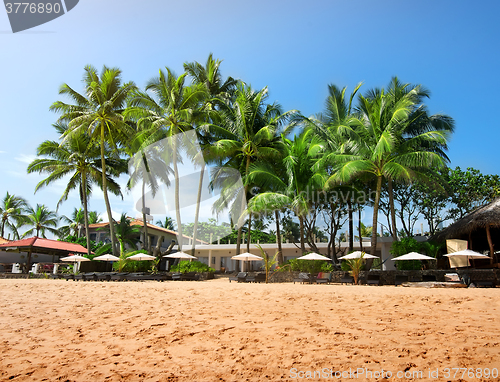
191, 266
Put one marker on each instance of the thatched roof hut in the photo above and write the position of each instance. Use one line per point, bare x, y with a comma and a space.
481, 228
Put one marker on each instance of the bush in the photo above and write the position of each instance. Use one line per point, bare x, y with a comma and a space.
309, 266
125, 265
402, 247
192, 266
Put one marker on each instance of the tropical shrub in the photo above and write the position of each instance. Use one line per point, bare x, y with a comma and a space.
402, 247
126, 265
192, 266
309, 266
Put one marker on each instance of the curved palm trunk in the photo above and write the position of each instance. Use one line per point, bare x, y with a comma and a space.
375, 216
278, 237
85, 211
393, 210
197, 213
106, 199
176, 196
144, 220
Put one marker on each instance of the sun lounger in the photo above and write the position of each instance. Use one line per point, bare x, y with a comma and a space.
400, 279
323, 278
69, 276
240, 277
303, 278
148, 277
483, 283
102, 276
373, 280
121, 276
256, 278
347, 279
189, 276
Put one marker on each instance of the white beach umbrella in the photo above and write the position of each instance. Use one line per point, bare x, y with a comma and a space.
357, 255
465, 254
74, 259
413, 256
141, 256
247, 256
107, 257
180, 255
314, 256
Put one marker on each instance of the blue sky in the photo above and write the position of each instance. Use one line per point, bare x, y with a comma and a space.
296, 48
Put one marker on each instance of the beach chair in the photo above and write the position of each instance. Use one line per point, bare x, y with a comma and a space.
373, 280
256, 278
324, 278
303, 278
400, 279
119, 276
347, 279
240, 277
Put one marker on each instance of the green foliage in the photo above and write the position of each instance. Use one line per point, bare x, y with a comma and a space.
402, 247
192, 266
268, 262
83, 242
355, 267
126, 265
309, 266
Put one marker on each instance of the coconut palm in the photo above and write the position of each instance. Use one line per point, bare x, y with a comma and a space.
217, 92
99, 113
78, 158
168, 223
75, 223
375, 147
12, 213
295, 186
247, 131
170, 111
41, 220
94, 217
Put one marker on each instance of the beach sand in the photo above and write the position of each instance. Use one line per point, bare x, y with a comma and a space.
55, 330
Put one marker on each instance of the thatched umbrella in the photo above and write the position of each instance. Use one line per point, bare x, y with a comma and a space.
485, 217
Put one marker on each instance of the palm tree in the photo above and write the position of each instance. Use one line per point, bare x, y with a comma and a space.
94, 217
12, 213
75, 223
168, 223
293, 188
99, 114
217, 93
80, 159
41, 219
126, 234
170, 112
247, 131
375, 147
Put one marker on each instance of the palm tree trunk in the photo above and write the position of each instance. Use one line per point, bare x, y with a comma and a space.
278, 237
176, 196
197, 213
144, 220
249, 231
373, 248
359, 229
351, 228
106, 199
393, 210
85, 211
240, 229
302, 243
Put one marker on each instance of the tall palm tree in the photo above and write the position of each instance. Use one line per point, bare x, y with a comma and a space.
167, 114
294, 188
418, 125
75, 223
126, 234
217, 92
245, 132
78, 158
12, 213
40, 219
99, 112
375, 148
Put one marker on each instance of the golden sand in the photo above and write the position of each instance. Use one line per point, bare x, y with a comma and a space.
55, 330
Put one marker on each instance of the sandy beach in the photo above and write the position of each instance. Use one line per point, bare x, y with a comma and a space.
55, 330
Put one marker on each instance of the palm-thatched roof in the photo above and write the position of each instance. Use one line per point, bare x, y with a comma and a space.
480, 218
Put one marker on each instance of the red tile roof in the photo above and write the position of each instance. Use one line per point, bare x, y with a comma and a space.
38, 242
